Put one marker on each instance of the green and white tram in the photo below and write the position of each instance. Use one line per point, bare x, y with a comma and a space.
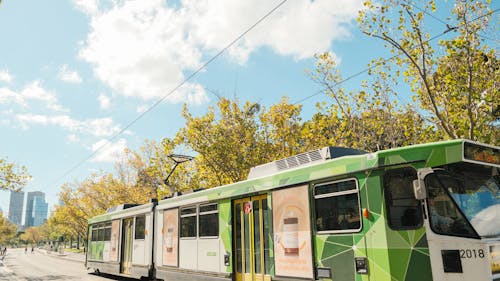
422, 212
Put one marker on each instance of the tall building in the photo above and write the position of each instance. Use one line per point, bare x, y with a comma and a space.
16, 208
40, 209
36, 209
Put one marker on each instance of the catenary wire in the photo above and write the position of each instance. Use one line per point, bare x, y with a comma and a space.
449, 28
217, 56
154, 105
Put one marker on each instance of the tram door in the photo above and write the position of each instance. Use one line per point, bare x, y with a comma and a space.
252, 238
126, 255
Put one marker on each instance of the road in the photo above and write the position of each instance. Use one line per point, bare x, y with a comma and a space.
18, 266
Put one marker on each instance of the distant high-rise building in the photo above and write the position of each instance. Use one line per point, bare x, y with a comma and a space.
36, 207
40, 209
16, 207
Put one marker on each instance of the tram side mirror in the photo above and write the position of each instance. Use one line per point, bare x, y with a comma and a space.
419, 190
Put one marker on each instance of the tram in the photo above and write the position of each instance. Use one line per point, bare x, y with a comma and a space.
422, 212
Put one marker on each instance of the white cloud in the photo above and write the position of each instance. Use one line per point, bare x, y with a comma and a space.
9, 96
73, 138
100, 127
137, 49
70, 76
32, 92
299, 28
104, 101
108, 151
142, 108
88, 6
5, 76
143, 48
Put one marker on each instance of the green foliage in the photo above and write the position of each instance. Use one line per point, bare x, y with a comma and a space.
457, 90
367, 120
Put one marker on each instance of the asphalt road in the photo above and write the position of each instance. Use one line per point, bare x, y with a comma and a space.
18, 266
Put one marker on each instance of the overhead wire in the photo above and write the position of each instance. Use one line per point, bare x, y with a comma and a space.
159, 101
449, 28
217, 55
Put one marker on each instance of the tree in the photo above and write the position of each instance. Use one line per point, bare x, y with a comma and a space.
31, 235
368, 119
151, 165
92, 197
457, 90
281, 130
54, 228
12, 177
226, 143
7, 229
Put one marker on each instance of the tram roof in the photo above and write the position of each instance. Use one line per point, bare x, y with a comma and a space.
430, 154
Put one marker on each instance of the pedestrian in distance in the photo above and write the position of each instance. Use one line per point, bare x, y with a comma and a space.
25, 250
32, 249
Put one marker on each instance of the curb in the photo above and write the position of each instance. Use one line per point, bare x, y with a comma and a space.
60, 256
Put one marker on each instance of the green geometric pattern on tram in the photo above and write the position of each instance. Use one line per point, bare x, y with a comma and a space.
379, 264
422, 243
374, 196
422, 272
342, 265
396, 240
225, 227
336, 252
319, 242
399, 260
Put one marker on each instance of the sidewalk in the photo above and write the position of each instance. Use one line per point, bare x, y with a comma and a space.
77, 257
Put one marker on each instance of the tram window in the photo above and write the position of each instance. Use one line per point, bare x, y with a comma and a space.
209, 221
403, 210
94, 233
107, 232
100, 232
337, 206
188, 223
140, 226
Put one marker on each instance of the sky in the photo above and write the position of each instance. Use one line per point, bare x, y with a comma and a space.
78, 74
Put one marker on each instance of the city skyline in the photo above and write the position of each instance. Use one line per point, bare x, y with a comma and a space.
33, 213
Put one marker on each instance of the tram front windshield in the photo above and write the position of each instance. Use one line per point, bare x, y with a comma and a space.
464, 200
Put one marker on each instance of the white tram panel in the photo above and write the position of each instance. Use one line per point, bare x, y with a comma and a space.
112, 261
177, 257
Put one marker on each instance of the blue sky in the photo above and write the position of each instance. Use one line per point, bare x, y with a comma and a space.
73, 73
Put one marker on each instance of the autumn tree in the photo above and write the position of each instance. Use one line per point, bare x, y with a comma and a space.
7, 229
368, 119
152, 164
454, 80
12, 176
226, 142
31, 235
58, 225
93, 196
281, 130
